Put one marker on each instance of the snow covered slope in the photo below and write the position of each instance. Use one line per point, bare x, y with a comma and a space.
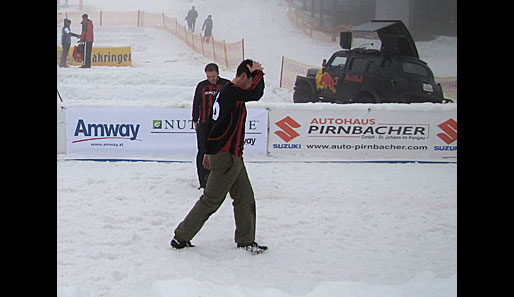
165, 71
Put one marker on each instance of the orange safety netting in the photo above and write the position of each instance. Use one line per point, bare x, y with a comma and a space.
228, 54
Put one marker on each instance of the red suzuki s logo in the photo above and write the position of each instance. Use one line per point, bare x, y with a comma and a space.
450, 131
288, 133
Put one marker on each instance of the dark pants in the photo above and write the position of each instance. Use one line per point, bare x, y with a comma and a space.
64, 54
202, 130
228, 175
191, 25
88, 48
207, 35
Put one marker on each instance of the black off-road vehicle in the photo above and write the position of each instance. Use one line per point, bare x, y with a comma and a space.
393, 74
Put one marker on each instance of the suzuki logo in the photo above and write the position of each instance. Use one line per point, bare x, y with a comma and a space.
287, 124
450, 131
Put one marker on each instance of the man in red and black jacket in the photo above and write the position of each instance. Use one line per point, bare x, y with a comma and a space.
229, 111
203, 100
224, 159
87, 37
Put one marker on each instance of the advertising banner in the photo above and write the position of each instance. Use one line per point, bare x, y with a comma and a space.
364, 134
127, 132
102, 56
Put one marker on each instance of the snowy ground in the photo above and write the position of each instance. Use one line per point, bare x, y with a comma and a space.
334, 229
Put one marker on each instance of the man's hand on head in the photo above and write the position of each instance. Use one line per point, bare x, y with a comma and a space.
256, 66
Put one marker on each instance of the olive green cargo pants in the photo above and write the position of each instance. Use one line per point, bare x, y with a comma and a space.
228, 175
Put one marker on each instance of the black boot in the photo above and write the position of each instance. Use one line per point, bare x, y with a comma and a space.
253, 247
180, 244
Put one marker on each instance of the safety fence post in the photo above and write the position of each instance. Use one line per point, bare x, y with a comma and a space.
225, 50
213, 50
281, 71
243, 46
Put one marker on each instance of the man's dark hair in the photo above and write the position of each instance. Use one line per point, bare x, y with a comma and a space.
242, 68
212, 67
85, 16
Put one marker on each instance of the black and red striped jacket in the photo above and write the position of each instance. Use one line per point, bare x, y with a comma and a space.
204, 98
227, 133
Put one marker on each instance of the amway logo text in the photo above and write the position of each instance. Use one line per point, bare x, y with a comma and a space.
106, 131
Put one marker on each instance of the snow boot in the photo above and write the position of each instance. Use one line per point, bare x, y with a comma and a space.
253, 247
180, 244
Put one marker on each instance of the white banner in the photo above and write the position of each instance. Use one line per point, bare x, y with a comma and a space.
163, 132
365, 134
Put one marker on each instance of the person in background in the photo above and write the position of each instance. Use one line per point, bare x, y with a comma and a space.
191, 19
66, 42
205, 93
207, 25
87, 36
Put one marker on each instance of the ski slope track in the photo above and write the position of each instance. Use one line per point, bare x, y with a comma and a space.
333, 229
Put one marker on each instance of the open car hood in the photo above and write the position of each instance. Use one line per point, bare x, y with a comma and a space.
396, 39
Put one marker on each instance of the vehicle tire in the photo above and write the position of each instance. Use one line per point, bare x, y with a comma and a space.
365, 97
303, 94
